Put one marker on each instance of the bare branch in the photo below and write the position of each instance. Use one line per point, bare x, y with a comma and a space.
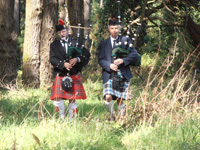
167, 8
165, 21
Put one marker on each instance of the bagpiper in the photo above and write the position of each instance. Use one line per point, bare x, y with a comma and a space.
116, 72
67, 64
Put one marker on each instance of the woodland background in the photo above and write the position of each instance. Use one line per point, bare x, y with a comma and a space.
164, 110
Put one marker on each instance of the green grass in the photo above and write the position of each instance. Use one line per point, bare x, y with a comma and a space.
25, 112
160, 117
60, 135
165, 136
29, 121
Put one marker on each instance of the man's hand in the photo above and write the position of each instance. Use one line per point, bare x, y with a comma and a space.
68, 66
73, 61
113, 67
118, 61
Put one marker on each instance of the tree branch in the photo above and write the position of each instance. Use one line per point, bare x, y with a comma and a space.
165, 21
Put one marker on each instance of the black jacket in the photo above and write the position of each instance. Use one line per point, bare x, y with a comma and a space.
58, 57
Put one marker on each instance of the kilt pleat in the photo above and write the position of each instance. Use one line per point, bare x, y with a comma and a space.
77, 91
107, 89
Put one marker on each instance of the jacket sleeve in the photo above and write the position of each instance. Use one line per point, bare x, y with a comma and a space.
101, 58
131, 58
59, 64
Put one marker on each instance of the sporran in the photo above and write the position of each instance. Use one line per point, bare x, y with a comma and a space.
67, 83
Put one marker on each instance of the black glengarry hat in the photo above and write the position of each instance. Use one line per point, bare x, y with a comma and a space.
60, 26
113, 22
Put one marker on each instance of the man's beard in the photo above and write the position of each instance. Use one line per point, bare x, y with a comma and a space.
63, 38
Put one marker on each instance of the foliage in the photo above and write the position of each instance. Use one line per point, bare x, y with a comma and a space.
20, 37
196, 16
100, 16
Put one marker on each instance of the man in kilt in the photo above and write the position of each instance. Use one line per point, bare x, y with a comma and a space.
115, 67
64, 66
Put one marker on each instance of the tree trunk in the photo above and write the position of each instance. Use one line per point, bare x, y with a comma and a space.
194, 31
75, 9
62, 13
16, 16
31, 57
47, 36
139, 41
8, 38
87, 8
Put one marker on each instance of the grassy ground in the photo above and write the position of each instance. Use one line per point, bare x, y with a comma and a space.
29, 121
162, 115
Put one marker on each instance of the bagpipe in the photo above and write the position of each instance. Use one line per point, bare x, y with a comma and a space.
74, 49
124, 46
79, 51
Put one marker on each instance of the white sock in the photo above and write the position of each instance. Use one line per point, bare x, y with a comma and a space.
121, 109
61, 106
110, 106
71, 107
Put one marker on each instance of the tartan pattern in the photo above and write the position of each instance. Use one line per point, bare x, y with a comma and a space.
107, 89
77, 91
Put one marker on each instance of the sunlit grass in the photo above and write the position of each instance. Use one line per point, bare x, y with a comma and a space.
165, 135
24, 122
60, 135
162, 114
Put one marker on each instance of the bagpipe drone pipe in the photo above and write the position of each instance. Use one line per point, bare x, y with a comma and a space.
77, 49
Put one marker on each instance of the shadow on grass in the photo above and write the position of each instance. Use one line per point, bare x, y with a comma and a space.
18, 110
35, 109
34, 105
90, 111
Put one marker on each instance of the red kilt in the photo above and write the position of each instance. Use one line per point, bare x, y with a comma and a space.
77, 91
